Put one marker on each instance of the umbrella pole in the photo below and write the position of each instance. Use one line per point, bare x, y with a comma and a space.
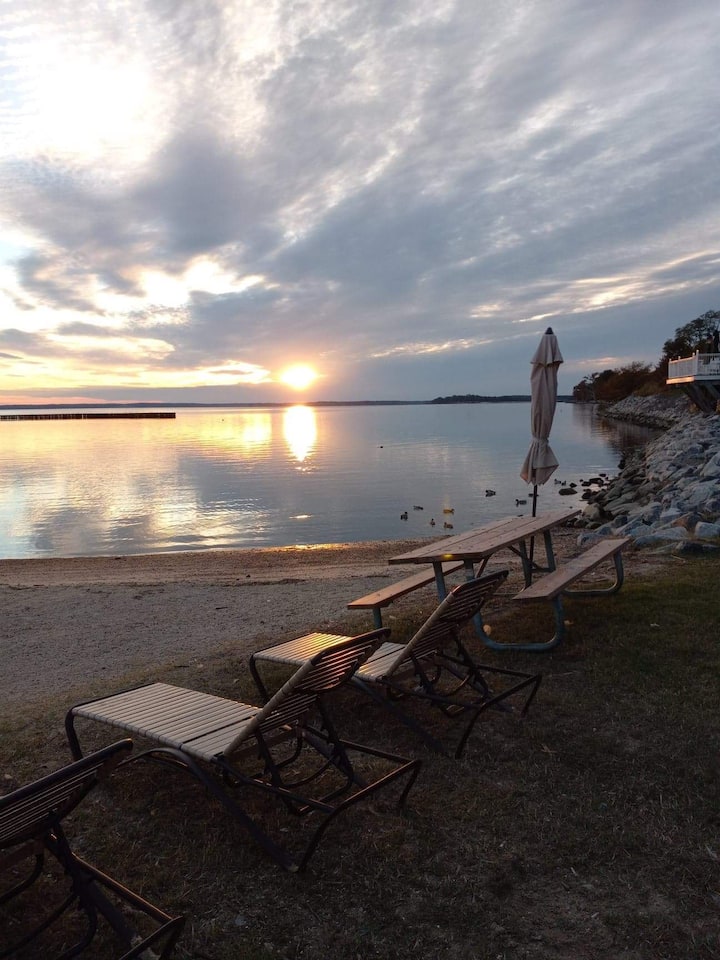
534, 513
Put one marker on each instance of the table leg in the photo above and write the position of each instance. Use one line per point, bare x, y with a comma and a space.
549, 551
440, 580
527, 563
471, 573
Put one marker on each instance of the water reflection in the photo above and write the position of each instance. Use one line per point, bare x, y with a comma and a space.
223, 477
621, 437
300, 431
246, 432
256, 431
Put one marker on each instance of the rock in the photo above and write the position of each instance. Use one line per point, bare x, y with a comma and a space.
659, 411
668, 493
707, 531
591, 512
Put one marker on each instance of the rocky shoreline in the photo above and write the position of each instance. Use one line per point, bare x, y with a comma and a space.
667, 495
658, 411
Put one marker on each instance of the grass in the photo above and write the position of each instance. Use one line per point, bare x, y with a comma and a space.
591, 830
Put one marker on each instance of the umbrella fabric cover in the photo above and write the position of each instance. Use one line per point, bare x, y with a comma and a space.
540, 462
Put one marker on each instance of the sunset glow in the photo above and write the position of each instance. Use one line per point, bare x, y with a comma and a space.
300, 376
183, 223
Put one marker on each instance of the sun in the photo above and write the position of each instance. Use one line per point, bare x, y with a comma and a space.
299, 376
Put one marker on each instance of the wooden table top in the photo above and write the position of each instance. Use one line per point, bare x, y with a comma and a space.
486, 540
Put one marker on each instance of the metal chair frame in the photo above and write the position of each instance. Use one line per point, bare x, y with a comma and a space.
293, 729
434, 665
31, 827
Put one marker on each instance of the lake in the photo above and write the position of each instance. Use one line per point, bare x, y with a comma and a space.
228, 477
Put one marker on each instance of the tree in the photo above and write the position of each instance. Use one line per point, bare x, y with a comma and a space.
613, 385
689, 338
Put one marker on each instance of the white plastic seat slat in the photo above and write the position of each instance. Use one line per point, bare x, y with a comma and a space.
198, 723
138, 704
381, 661
172, 714
214, 743
295, 651
141, 701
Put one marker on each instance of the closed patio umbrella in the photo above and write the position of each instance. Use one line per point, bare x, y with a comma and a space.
540, 462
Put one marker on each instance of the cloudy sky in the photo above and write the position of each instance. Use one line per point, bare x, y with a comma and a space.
196, 195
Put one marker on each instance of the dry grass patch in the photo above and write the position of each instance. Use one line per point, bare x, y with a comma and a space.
591, 830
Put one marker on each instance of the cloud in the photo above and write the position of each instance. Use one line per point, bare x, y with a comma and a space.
405, 195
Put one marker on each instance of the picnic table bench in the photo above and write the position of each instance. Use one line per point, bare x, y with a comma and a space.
554, 585
383, 597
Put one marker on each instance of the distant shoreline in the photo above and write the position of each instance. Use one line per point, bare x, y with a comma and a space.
147, 405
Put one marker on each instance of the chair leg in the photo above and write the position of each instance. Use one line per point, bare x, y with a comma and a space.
18, 888
532, 681
88, 882
388, 704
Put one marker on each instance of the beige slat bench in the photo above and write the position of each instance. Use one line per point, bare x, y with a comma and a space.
554, 585
386, 595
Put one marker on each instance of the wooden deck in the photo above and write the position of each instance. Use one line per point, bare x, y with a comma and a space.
697, 376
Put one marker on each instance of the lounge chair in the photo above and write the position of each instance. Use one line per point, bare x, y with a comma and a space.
434, 666
281, 748
31, 826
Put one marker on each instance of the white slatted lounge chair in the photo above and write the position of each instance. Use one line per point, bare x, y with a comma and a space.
435, 665
228, 744
31, 827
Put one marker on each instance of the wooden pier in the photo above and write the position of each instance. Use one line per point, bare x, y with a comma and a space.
112, 415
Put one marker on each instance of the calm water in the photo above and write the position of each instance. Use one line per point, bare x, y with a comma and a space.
223, 477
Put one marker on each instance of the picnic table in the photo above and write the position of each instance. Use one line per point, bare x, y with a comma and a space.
517, 534
476, 547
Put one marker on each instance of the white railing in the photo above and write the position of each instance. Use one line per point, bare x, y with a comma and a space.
698, 366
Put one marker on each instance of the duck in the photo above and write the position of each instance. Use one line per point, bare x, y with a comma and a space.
432, 521
448, 526
418, 508
518, 502
490, 493
404, 516
448, 509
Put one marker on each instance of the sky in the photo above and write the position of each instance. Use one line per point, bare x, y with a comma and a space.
399, 196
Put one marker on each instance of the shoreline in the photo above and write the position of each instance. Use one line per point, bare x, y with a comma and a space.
319, 561
79, 627
75, 627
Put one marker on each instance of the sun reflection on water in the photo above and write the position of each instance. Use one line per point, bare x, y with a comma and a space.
300, 430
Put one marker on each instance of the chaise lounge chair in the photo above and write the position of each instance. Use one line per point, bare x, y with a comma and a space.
288, 748
31, 826
434, 666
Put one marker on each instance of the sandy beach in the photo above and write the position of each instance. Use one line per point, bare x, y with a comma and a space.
68, 624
